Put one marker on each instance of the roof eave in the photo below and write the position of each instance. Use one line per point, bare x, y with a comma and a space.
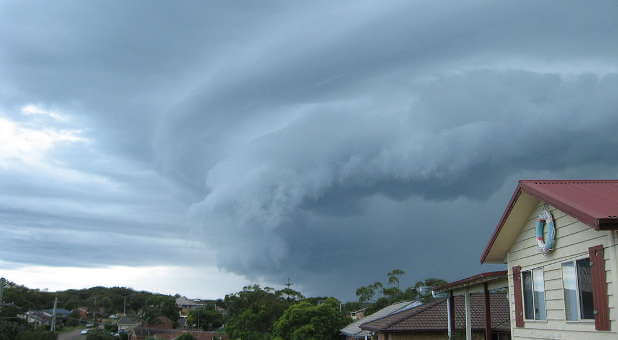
505, 215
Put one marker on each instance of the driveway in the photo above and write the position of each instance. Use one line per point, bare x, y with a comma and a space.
72, 335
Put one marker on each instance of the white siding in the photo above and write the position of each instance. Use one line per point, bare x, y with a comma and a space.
573, 239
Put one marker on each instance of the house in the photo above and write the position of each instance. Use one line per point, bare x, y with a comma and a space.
430, 321
560, 287
187, 304
353, 330
484, 287
38, 318
358, 314
83, 312
126, 323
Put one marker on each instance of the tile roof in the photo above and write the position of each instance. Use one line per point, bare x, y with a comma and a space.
433, 316
593, 202
354, 329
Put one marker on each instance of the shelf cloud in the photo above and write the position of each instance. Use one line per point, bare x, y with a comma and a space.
327, 143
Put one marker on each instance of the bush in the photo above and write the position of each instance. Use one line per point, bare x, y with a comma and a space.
186, 336
110, 327
37, 335
99, 335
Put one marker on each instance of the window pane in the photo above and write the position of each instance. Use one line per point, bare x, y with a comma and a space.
528, 305
539, 294
584, 280
570, 290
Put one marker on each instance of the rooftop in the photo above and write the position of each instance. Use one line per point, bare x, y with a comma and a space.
354, 329
432, 317
474, 280
593, 202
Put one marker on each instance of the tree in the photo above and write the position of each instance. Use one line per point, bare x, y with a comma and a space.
36, 335
186, 336
252, 312
209, 319
160, 305
306, 321
367, 293
393, 277
99, 335
10, 329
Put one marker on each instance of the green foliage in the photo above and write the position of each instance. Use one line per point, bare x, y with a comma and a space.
108, 300
36, 335
307, 321
393, 277
393, 293
253, 311
186, 336
209, 319
10, 329
110, 327
160, 305
99, 335
367, 293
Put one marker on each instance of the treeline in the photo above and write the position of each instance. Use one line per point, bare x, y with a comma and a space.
17, 299
378, 295
104, 300
257, 313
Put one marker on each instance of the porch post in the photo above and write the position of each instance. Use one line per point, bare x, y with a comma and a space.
488, 334
450, 306
468, 316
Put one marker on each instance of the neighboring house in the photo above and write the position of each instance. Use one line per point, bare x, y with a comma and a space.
472, 289
184, 303
126, 323
358, 314
567, 293
83, 312
353, 330
430, 321
38, 318
60, 312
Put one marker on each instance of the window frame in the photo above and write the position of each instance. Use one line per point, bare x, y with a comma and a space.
577, 293
531, 271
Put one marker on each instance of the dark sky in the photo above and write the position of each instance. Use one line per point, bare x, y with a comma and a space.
252, 141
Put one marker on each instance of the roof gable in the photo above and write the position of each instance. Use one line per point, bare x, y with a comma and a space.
593, 202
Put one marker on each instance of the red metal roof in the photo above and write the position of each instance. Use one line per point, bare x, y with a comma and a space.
483, 277
593, 202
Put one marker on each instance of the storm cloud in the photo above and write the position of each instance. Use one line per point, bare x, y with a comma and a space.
326, 142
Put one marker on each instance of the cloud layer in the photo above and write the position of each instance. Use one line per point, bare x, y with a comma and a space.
328, 143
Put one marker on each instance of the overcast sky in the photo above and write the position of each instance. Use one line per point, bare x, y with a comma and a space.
195, 147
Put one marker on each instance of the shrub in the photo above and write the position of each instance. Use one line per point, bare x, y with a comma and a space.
186, 336
37, 335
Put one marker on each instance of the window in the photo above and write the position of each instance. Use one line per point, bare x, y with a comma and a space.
577, 283
534, 294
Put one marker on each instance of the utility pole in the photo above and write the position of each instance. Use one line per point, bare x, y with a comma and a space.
125, 306
94, 314
2, 283
52, 327
289, 283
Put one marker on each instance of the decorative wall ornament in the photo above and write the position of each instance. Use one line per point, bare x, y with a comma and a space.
544, 219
